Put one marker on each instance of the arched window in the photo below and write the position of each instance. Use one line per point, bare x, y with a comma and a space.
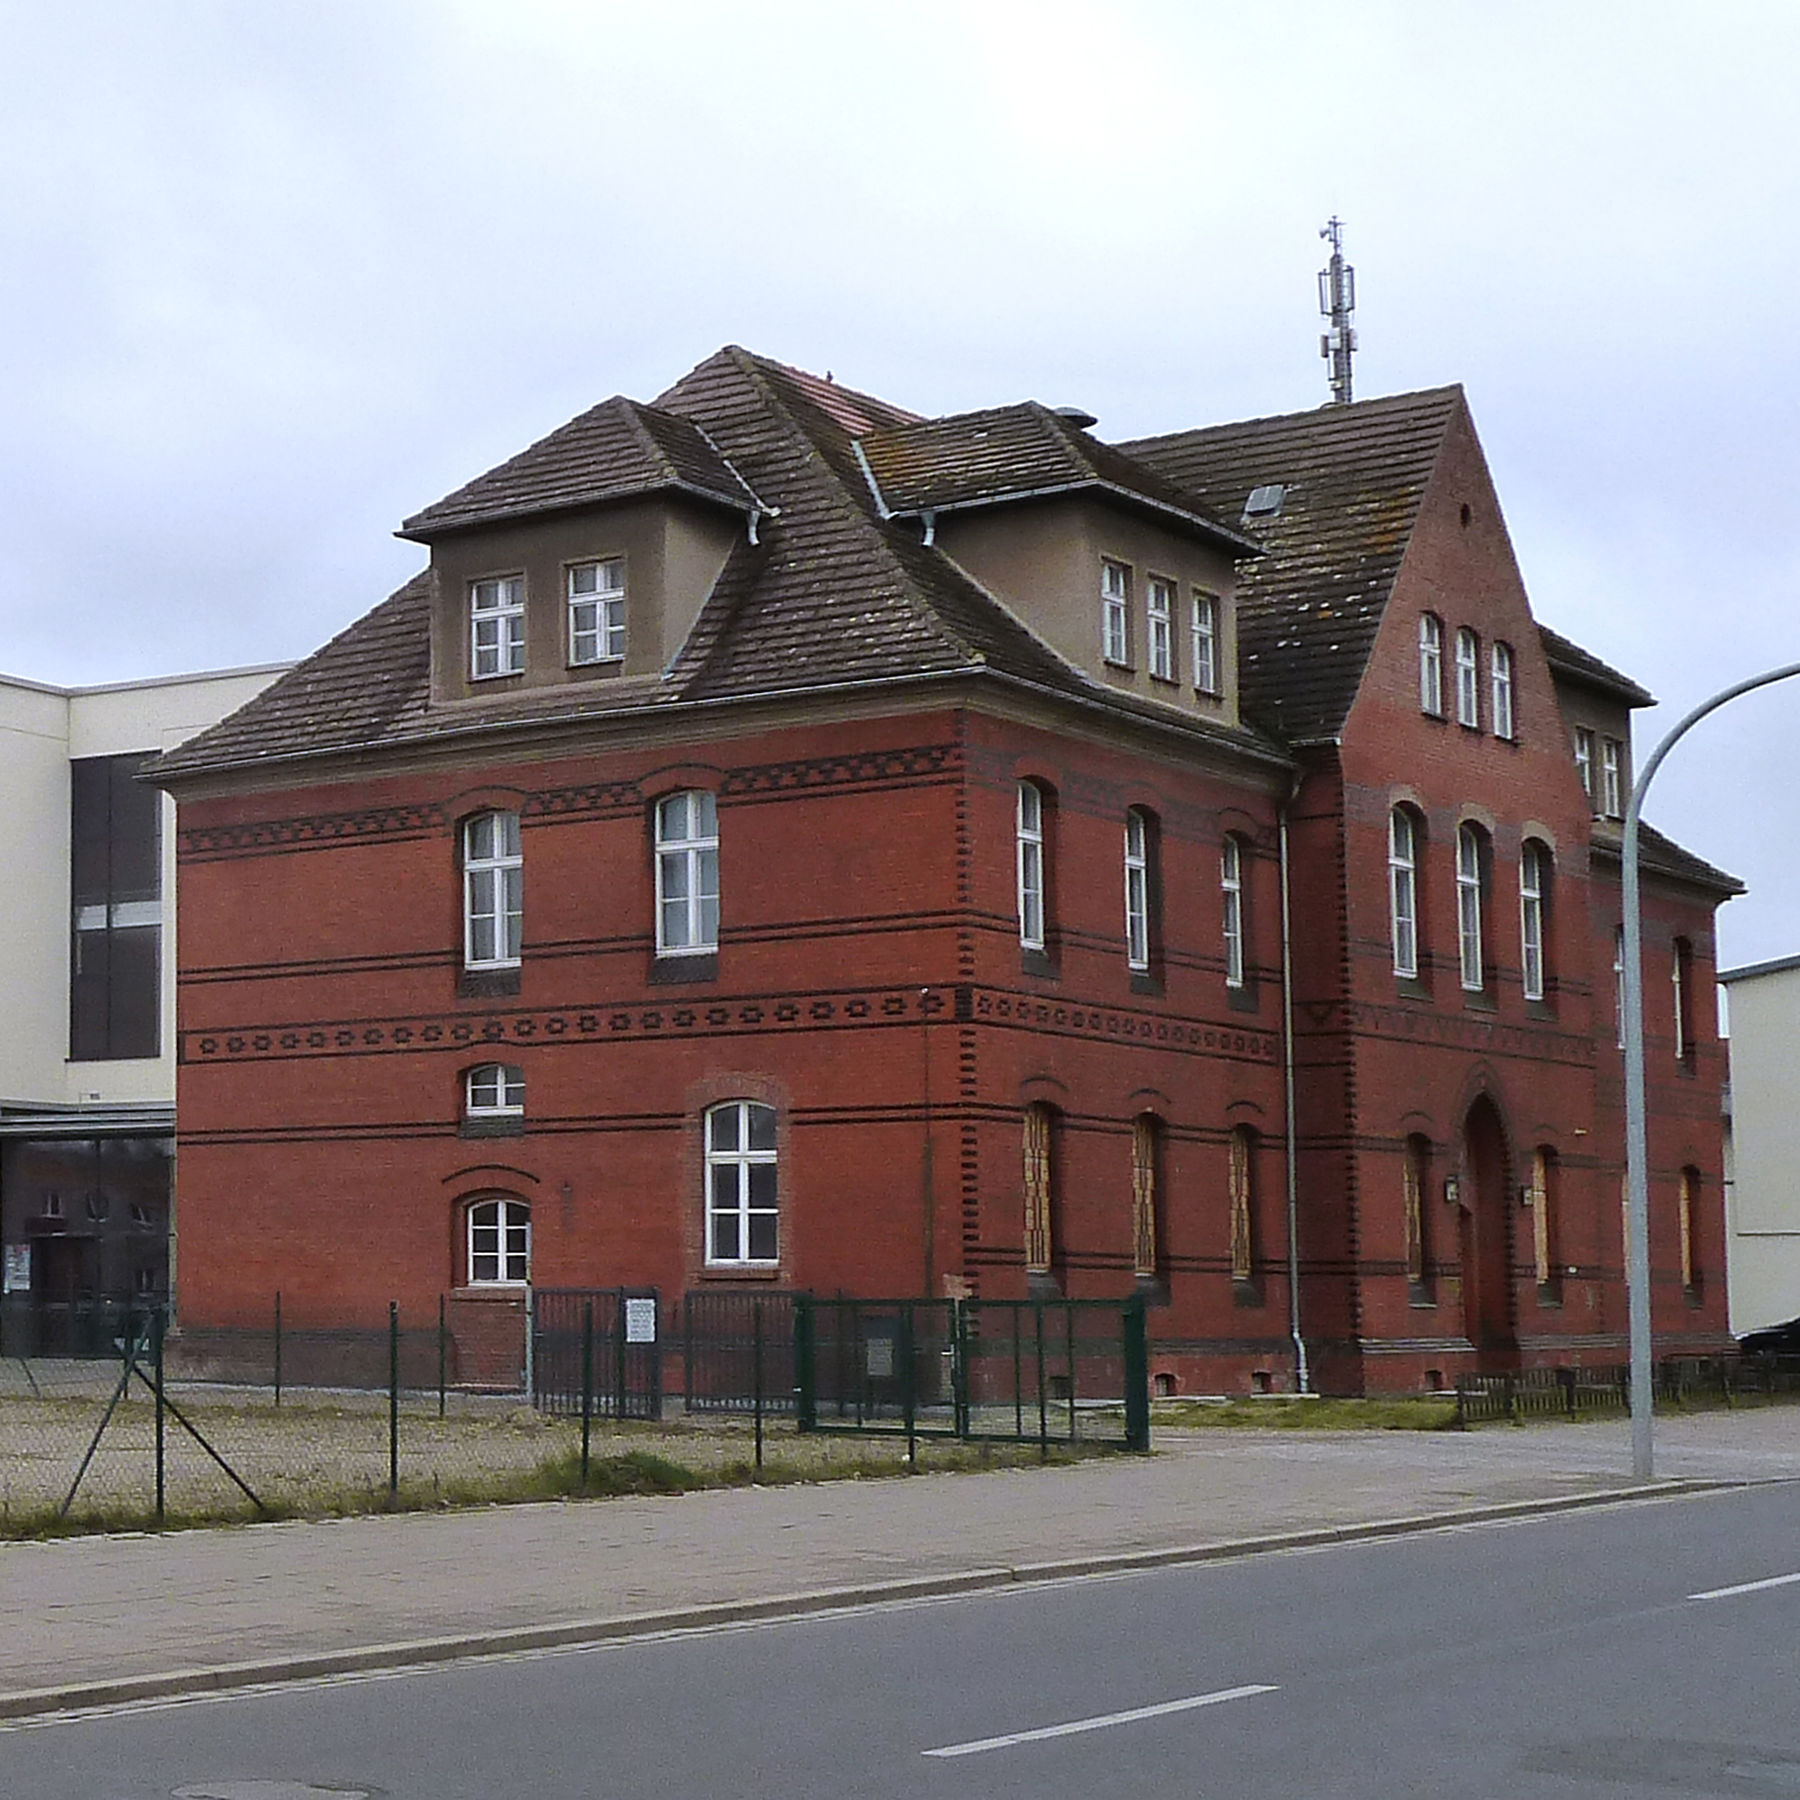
1403, 890
1471, 896
1534, 912
1500, 668
1031, 867
1431, 665
494, 1090
1242, 1177
687, 874
1040, 1187
742, 1199
1231, 896
1687, 1201
1416, 1185
1146, 1199
1468, 678
1545, 1225
493, 891
499, 1243
1140, 889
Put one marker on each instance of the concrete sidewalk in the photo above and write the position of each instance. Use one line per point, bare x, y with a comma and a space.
84, 1621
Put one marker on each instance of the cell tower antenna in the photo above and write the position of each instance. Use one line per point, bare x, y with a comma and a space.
1337, 301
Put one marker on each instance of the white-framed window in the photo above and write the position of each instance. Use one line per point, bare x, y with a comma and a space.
1030, 833
1115, 612
494, 1091
1584, 760
1468, 678
493, 891
499, 1243
597, 611
1431, 665
1534, 888
742, 1204
1500, 669
496, 626
1203, 652
1159, 604
1612, 778
1619, 986
1681, 981
687, 874
1403, 890
1137, 890
1469, 883
1231, 894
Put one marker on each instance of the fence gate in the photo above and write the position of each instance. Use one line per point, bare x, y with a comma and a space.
605, 1343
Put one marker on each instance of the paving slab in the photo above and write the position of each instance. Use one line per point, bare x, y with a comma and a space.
90, 1614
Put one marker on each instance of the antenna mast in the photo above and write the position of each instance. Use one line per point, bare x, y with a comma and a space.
1337, 301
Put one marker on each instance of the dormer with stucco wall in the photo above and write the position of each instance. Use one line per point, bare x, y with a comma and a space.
1120, 574
583, 560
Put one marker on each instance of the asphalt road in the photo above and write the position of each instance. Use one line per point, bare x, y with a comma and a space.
1606, 1654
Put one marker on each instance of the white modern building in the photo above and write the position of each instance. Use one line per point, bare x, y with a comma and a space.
1762, 1214
87, 1002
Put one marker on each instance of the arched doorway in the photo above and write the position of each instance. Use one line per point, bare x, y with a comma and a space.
1485, 1224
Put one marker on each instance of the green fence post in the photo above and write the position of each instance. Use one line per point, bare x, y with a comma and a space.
959, 1365
1018, 1318
908, 1400
1043, 1392
443, 1353
587, 1385
806, 1393
756, 1358
393, 1398
1069, 1353
278, 1346
156, 1356
1137, 1374
619, 1355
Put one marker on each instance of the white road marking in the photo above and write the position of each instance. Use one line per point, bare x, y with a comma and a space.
1105, 1719
1746, 1587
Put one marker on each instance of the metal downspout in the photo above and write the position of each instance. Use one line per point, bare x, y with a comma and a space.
1302, 1379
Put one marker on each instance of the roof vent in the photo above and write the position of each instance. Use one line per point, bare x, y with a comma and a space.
1265, 501
1078, 416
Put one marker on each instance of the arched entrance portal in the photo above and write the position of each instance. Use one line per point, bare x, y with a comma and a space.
1486, 1239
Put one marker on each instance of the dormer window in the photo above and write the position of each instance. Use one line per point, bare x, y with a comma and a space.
597, 611
1205, 648
1115, 612
1160, 607
496, 626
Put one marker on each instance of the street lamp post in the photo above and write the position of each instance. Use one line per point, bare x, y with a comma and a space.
1637, 1180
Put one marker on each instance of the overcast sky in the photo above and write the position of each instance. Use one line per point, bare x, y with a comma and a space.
274, 275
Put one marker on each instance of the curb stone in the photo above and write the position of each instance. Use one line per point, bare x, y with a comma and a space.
421, 1652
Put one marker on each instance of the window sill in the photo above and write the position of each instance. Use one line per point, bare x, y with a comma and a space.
1040, 1284
1478, 1000
1419, 1294
1549, 1294
1124, 668
492, 1292
702, 966
1153, 1290
512, 1125
1246, 1293
1410, 987
1242, 998
1038, 962
741, 1272
1539, 1009
1143, 982
487, 984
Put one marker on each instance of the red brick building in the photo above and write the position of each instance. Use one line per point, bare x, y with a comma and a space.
783, 841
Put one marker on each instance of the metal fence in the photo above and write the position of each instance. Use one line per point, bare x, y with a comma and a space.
737, 1352
1573, 1393
596, 1352
1049, 1371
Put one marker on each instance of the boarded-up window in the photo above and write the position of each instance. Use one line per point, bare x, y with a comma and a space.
1038, 1178
1414, 1177
1243, 1204
1687, 1199
1544, 1222
1146, 1131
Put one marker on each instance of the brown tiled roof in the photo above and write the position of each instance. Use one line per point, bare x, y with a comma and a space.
1309, 607
1013, 453
831, 594
1568, 661
611, 452
1660, 855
